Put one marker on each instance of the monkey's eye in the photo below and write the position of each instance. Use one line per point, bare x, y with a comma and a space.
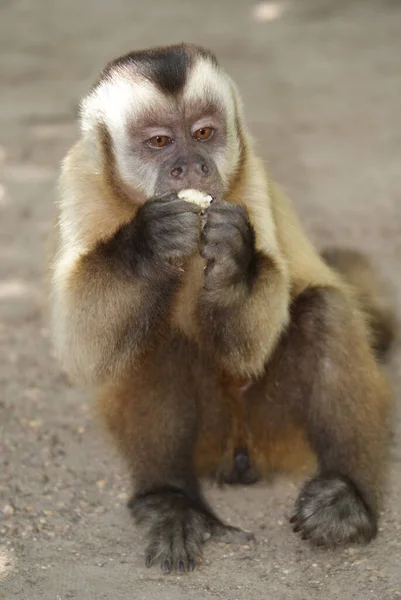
159, 141
202, 134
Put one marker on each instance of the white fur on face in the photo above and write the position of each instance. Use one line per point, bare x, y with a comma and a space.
206, 81
120, 98
117, 102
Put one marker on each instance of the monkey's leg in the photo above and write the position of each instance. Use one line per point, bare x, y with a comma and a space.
325, 375
154, 417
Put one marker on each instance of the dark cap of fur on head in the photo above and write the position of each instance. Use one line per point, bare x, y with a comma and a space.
166, 66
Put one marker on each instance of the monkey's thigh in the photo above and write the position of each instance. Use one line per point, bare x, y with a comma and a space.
275, 404
168, 412
278, 441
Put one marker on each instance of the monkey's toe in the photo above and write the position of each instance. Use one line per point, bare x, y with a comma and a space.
330, 512
170, 547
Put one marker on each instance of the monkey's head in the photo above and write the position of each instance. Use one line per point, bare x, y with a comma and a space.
165, 119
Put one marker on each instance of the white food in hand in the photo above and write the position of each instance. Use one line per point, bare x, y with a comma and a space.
199, 198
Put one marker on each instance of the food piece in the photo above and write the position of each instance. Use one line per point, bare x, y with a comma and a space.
199, 198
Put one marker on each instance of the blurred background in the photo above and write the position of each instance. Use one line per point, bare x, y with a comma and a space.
321, 83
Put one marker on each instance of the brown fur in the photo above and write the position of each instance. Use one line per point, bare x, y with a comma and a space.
372, 294
183, 377
266, 418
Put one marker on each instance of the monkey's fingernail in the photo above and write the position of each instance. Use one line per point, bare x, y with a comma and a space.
296, 528
293, 519
191, 564
166, 566
181, 566
148, 560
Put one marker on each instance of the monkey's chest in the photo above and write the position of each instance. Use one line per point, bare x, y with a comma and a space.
183, 311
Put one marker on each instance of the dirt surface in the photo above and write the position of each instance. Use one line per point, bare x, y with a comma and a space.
322, 88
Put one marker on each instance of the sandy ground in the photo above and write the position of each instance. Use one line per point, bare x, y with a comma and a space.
322, 87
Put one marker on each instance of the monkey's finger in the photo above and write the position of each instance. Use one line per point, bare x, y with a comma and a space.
211, 251
181, 567
152, 553
215, 235
149, 559
169, 197
166, 565
224, 233
177, 223
193, 547
182, 206
175, 232
234, 225
238, 221
223, 218
226, 211
221, 206
179, 555
308, 530
174, 207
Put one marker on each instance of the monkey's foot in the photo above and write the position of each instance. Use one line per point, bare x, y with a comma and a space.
178, 528
330, 512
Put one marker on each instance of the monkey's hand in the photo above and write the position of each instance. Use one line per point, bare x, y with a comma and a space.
167, 228
243, 306
228, 246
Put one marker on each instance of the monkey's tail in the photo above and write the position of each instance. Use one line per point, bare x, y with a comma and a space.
372, 294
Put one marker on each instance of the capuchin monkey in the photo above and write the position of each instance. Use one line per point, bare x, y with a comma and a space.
218, 343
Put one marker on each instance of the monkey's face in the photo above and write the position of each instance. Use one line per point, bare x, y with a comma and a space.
171, 115
179, 149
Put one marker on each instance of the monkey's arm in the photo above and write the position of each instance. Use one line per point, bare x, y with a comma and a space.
112, 279
243, 306
106, 305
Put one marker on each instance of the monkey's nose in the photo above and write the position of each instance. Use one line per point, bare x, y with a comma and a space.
176, 172
201, 168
